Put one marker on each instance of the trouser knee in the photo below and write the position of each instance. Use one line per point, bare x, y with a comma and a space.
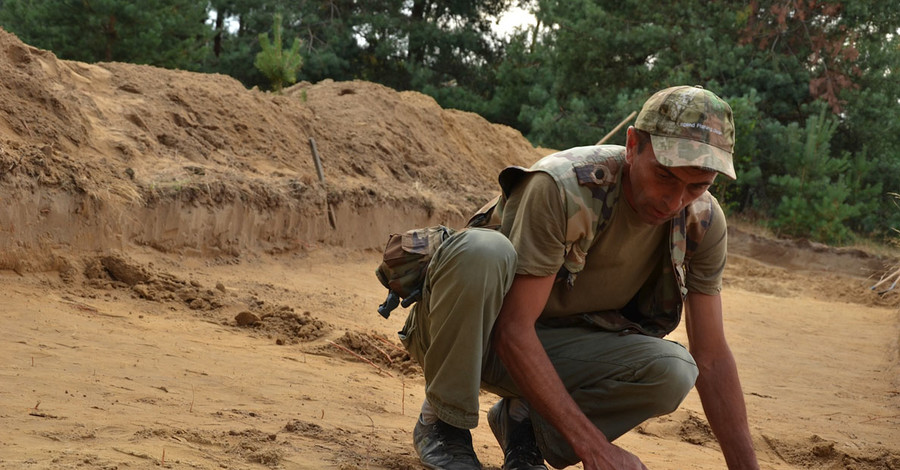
675, 375
475, 252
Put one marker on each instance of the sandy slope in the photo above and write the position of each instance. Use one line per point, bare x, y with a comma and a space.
142, 210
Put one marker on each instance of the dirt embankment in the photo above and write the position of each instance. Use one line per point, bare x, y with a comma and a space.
99, 156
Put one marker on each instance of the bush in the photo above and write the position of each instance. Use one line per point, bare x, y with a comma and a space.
278, 65
817, 192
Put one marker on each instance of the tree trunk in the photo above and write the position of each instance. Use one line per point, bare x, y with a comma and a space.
416, 52
111, 37
217, 41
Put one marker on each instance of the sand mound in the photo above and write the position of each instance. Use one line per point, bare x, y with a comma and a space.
99, 156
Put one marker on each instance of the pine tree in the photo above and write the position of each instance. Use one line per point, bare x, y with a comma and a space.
274, 62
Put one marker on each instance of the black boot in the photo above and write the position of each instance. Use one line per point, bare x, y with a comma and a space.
444, 447
520, 450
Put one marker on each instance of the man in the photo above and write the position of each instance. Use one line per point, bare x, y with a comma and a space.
562, 311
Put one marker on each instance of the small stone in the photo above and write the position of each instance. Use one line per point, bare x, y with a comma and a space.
246, 318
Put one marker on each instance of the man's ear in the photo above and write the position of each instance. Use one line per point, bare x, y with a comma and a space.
631, 144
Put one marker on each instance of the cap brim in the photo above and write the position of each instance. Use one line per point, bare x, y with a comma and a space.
675, 152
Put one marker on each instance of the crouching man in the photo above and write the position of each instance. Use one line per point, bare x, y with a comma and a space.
563, 311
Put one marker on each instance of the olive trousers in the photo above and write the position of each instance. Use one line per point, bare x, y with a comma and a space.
618, 381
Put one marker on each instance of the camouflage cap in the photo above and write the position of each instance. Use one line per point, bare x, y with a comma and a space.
690, 126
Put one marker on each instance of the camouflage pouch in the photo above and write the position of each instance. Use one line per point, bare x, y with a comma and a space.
405, 261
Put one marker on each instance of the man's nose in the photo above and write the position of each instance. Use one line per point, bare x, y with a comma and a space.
673, 199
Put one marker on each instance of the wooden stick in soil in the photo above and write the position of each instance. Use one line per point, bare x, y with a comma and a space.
321, 174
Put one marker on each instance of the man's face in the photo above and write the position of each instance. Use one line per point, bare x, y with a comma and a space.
658, 193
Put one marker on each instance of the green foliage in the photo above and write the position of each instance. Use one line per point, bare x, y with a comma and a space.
441, 47
239, 23
816, 194
870, 127
165, 33
274, 62
430, 45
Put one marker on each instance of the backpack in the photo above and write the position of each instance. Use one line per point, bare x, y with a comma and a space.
405, 262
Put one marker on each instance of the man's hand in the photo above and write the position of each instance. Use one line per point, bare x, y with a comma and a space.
615, 458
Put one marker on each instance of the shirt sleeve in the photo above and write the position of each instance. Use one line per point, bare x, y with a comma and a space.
706, 267
534, 221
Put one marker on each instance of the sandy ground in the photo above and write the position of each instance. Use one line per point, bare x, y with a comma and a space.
98, 377
182, 290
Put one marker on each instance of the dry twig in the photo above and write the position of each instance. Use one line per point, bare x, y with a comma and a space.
392, 345
879, 417
386, 356
886, 278
360, 357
